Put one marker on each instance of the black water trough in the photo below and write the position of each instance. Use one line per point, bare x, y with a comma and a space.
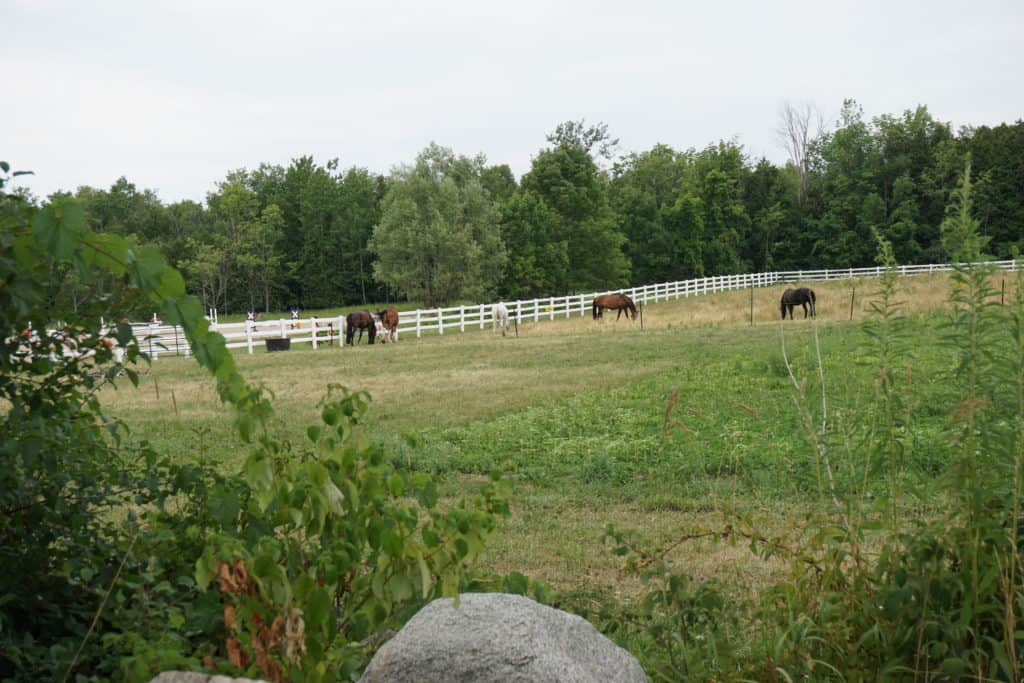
282, 344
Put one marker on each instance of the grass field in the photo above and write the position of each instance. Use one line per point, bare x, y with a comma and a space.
678, 425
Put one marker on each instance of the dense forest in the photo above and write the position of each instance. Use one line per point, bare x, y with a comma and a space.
449, 227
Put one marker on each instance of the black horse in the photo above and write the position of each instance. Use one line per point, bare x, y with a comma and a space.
797, 297
360, 320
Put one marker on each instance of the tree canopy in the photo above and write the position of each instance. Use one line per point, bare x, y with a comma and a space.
450, 227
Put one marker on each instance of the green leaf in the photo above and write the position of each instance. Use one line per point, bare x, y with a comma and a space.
334, 497
58, 227
318, 609
106, 251
426, 578
953, 667
396, 484
172, 285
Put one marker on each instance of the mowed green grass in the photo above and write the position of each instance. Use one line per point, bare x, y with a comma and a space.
678, 425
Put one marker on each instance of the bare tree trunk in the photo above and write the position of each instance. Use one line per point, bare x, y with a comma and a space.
798, 126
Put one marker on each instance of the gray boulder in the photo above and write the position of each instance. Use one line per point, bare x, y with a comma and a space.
494, 637
190, 677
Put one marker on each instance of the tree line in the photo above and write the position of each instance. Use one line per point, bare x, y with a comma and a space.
450, 227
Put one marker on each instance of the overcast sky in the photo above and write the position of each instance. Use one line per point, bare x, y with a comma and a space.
173, 95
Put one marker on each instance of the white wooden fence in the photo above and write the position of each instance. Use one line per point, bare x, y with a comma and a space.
157, 339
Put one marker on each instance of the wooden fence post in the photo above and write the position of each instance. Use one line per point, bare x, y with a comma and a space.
312, 329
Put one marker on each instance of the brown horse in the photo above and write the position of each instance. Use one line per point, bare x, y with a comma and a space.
617, 302
360, 320
389, 318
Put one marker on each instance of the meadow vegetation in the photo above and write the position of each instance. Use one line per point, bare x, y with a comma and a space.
688, 424
730, 499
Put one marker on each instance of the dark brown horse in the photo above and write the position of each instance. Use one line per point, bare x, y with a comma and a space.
615, 302
360, 320
797, 297
389, 318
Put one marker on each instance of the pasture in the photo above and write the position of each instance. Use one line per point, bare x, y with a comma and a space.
680, 425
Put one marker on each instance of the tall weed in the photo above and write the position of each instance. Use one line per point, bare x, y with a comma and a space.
878, 592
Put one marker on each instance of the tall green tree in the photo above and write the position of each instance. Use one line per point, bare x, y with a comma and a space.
438, 238
259, 255
997, 155
644, 187
538, 260
569, 181
718, 181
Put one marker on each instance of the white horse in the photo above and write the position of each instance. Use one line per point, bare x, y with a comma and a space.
499, 315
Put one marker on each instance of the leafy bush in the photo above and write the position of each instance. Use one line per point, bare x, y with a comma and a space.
321, 549
119, 563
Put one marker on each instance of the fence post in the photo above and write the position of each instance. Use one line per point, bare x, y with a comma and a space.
440, 322
281, 327
312, 328
341, 332
462, 318
418, 331
248, 334
481, 316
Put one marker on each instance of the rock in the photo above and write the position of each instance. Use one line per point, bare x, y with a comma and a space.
190, 677
494, 637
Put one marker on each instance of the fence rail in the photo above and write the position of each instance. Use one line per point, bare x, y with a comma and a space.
159, 339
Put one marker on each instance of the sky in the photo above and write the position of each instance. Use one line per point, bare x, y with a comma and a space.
174, 95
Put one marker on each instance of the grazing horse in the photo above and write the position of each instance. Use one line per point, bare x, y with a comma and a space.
797, 297
619, 302
389, 319
499, 318
360, 320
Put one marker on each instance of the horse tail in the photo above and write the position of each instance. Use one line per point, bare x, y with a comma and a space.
595, 309
814, 300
